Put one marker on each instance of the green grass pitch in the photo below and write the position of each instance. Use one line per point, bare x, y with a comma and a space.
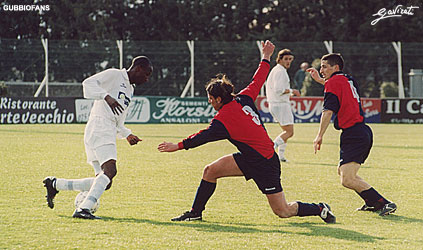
152, 187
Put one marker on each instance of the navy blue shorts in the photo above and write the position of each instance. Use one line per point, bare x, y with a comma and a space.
266, 173
356, 143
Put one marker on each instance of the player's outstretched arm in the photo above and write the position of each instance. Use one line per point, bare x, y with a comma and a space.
168, 147
315, 75
259, 77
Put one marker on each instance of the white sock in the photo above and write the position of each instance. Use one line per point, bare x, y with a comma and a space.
277, 142
97, 189
75, 184
97, 167
281, 151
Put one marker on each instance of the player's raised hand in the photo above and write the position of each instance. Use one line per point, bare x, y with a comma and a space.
267, 49
114, 105
133, 139
315, 75
167, 147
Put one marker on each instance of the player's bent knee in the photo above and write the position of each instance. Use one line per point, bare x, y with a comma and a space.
111, 173
282, 213
347, 182
209, 171
109, 169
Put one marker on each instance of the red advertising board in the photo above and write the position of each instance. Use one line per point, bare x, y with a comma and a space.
309, 109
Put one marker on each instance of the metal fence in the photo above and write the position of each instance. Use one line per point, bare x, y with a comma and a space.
22, 63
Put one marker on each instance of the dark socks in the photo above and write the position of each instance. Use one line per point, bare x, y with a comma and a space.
308, 209
373, 198
204, 192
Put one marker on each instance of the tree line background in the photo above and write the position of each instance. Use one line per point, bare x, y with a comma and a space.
224, 33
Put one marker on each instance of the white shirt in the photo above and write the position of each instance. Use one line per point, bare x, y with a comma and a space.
113, 82
277, 82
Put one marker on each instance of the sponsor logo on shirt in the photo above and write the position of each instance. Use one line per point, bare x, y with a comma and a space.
125, 99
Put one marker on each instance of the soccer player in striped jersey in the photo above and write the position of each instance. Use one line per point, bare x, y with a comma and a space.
342, 98
238, 121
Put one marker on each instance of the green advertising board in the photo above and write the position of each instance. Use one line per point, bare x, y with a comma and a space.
157, 109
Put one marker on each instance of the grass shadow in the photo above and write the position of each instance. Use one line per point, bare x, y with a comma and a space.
334, 232
400, 218
200, 225
315, 229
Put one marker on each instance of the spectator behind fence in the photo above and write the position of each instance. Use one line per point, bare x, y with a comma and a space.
300, 75
310, 86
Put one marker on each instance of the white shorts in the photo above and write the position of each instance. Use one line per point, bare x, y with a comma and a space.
282, 113
100, 140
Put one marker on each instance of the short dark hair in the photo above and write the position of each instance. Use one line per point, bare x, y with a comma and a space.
142, 61
221, 86
334, 59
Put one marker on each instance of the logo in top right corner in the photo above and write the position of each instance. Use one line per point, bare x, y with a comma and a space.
398, 11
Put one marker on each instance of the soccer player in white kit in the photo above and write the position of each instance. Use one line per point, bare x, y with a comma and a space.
112, 91
278, 91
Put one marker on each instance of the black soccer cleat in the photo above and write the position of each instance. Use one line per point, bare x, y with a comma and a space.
84, 214
188, 216
51, 190
283, 159
326, 214
389, 208
365, 207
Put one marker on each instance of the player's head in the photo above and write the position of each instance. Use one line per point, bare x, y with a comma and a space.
304, 66
219, 91
140, 70
330, 64
285, 57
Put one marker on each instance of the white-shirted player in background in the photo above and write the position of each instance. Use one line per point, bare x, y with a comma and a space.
112, 91
278, 91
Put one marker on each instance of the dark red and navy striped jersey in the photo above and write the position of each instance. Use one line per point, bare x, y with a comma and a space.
239, 122
342, 96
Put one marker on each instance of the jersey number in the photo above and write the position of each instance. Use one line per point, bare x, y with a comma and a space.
249, 111
354, 91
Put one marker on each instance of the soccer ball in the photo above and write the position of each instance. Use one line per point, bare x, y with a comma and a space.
81, 197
